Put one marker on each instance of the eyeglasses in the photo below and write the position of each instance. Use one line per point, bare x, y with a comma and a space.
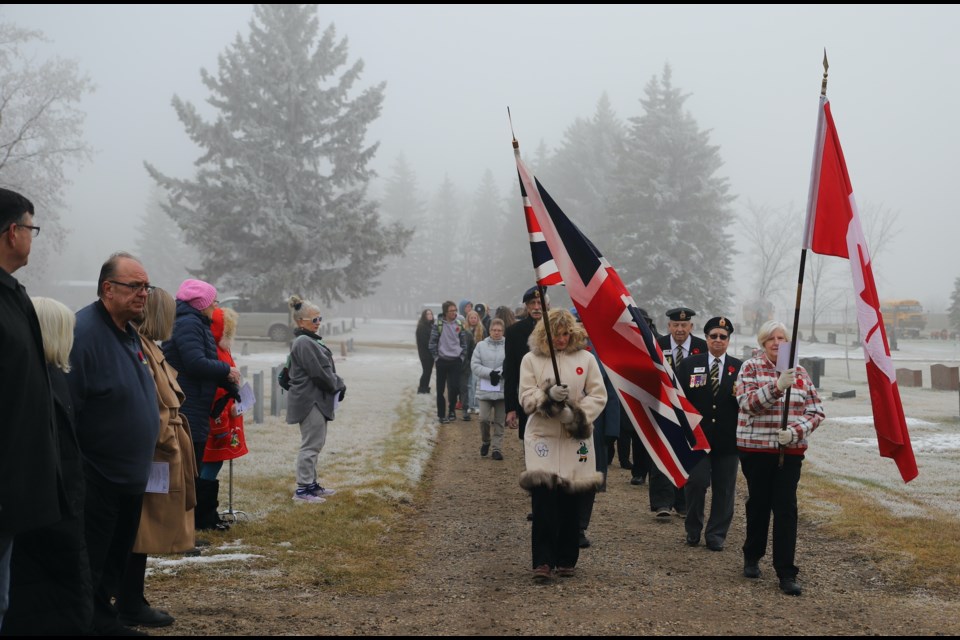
718, 336
34, 231
146, 288
316, 320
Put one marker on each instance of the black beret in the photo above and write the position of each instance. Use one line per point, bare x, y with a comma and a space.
718, 323
680, 314
530, 294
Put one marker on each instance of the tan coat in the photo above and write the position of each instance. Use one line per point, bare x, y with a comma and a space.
166, 521
555, 455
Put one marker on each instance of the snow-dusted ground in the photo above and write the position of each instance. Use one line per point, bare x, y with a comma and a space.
380, 373
384, 368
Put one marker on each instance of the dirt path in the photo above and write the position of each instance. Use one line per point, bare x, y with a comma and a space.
471, 540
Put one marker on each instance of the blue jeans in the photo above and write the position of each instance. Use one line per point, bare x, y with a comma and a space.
210, 470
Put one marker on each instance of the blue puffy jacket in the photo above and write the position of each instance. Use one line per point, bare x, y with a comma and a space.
193, 353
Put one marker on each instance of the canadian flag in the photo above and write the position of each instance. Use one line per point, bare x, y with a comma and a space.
833, 228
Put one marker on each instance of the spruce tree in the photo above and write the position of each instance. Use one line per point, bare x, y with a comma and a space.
581, 176
668, 217
404, 285
279, 201
160, 245
482, 249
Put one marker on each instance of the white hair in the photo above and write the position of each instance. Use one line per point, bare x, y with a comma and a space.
767, 329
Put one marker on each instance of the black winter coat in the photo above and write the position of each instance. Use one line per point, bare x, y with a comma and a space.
719, 413
29, 464
50, 584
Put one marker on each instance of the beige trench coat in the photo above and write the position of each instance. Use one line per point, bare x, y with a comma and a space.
166, 521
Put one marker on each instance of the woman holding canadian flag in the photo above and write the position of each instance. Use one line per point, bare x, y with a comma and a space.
762, 392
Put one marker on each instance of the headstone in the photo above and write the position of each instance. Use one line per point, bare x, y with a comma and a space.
909, 378
343, 349
944, 378
849, 393
831, 337
274, 392
815, 367
258, 391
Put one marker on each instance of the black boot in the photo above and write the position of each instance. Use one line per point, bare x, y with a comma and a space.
205, 514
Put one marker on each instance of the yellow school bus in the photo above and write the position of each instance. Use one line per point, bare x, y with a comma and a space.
903, 318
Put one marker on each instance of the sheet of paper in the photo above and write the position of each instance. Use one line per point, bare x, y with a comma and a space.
485, 385
785, 352
159, 480
247, 399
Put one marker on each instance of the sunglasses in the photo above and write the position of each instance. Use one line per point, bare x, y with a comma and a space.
316, 320
718, 336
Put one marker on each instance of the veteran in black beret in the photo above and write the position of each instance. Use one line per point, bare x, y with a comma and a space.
708, 382
677, 345
515, 347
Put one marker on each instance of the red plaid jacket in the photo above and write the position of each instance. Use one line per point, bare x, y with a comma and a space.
761, 407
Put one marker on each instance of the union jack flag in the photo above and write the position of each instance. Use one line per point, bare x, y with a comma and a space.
666, 421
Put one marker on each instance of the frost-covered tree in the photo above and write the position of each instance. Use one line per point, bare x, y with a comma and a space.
444, 236
581, 176
514, 265
279, 201
486, 218
41, 133
161, 247
669, 217
404, 287
772, 240
954, 310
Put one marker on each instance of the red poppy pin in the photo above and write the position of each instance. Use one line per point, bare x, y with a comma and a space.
731, 369
695, 351
579, 371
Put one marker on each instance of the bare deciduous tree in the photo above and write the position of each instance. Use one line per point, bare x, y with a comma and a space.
41, 132
772, 240
823, 294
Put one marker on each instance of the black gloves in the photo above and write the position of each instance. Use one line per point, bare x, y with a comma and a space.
343, 392
495, 377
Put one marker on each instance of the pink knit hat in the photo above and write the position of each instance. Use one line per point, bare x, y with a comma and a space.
197, 293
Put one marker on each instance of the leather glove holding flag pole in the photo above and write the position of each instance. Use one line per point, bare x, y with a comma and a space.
667, 423
833, 228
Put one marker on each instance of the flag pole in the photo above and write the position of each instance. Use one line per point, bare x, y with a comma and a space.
796, 310
541, 290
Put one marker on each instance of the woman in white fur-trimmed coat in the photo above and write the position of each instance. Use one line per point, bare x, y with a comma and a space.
558, 443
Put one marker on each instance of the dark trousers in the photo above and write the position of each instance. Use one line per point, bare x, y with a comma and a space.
426, 363
663, 495
641, 465
199, 446
448, 374
556, 527
720, 472
111, 520
130, 596
772, 489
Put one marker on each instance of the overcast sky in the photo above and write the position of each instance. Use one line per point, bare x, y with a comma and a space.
754, 75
